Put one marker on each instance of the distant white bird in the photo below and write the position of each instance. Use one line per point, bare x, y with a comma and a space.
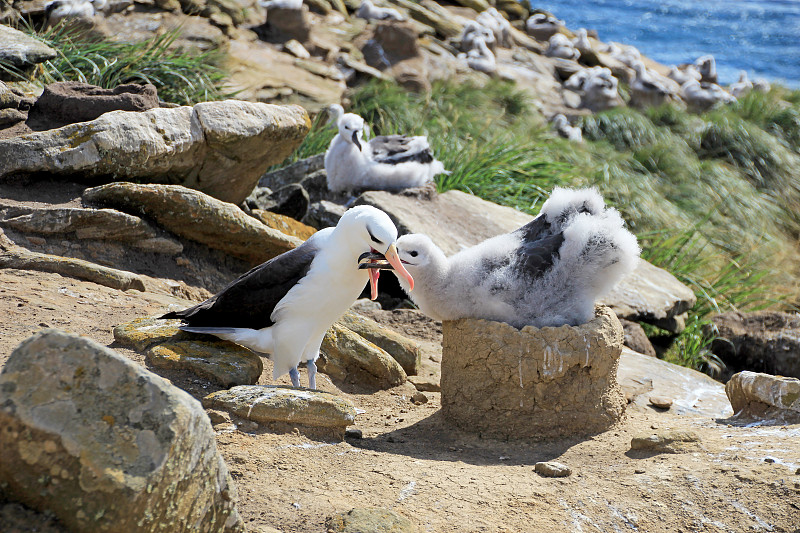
369, 11
600, 90
624, 53
549, 272
561, 47
61, 9
495, 21
707, 67
281, 4
684, 73
761, 85
741, 87
702, 96
542, 26
387, 162
480, 57
335, 112
284, 306
581, 41
649, 89
473, 31
577, 81
564, 129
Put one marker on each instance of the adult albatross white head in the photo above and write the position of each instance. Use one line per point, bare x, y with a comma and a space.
547, 273
386, 162
284, 306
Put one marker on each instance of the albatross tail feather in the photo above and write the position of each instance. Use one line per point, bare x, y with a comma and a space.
259, 340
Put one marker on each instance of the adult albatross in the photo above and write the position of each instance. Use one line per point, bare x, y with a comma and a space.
284, 306
386, 162
546, 273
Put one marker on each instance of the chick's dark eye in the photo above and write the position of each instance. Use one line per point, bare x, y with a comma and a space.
413, 253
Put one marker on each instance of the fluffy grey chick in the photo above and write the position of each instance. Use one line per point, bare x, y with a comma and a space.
547, 273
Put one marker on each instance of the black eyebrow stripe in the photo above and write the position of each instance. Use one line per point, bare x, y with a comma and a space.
371, 236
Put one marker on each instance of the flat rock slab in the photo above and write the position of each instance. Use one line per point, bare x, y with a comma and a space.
349, 356
763, 396
267, 404
650, 294
284, 224
166, 347
455, 220
106, 445
197, 216
691, 392
761, 341
534, 382
220, 148
22, 51
667, 442
552, 469
86, 223
68, 102
371, 519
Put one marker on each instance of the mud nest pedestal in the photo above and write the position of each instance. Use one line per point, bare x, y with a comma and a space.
535, 382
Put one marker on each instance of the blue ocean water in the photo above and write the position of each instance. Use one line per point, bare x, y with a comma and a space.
761, 37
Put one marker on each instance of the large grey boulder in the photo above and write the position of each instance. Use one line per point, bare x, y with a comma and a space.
349, 356
404, 350
196, 216
106, 445
762, 341
21, 51
762, 396
220, 148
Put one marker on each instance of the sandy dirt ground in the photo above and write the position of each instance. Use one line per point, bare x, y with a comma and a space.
445, 480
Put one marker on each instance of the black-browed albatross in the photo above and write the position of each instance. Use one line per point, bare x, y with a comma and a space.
284, 306
546, 273
386, 162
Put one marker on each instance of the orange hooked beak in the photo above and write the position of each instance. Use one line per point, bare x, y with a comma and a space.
397, 264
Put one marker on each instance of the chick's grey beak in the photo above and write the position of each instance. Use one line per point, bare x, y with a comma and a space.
355, 140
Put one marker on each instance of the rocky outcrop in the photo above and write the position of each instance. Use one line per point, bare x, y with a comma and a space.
21, 51
106, 445
501, 381
348, 356
13, 256
653, 295
220, 148
198, 217
762, 341
404, 350
762, 396
286, 407
284, 224
636, 339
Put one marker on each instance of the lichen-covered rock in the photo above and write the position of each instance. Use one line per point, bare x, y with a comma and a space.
534, 382
102, 224
165, 346
284, 224
268, 404
404, 350
347, 355
372, 519
106, 445
21, 51
552, 469
758, 395
194, 215
220, 148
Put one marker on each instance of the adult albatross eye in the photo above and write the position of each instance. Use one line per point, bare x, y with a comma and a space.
374, 238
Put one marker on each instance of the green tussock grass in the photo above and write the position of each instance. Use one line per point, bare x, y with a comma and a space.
180, 77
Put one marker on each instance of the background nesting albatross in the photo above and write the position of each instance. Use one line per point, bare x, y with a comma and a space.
547, 273
386, 162
284, 306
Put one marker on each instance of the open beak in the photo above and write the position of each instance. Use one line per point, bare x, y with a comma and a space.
356, 141
397, 264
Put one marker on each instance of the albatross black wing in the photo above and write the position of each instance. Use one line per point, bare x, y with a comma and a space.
249, 301
537, 257
394, 149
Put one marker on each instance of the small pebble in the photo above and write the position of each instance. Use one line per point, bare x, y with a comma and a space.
638, 471
661, 402
552, 469
797, 472
353, 433
769, 460
419, 398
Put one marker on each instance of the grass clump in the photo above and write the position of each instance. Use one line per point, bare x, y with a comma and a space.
180, 77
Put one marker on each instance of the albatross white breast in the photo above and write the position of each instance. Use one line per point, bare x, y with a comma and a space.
386, 162
547, 273
284, 306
